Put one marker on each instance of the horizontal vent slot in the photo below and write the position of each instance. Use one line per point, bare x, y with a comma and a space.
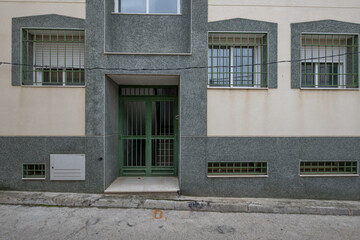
328, 167
237, 168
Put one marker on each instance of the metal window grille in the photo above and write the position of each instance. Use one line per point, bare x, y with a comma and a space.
329, 61
149, 91
53, 57
31, 171
237, 168
328, 167
238, 60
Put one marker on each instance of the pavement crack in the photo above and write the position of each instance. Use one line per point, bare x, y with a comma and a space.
92, 221
225, 229
130, 225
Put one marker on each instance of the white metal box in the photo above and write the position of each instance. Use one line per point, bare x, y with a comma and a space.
67, 167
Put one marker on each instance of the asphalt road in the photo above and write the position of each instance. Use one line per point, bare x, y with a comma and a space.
52, 223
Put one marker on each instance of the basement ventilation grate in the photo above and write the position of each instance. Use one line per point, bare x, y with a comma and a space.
33, 171
237, 169
329, 168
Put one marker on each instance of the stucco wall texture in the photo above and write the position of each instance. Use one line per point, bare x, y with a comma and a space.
214, 124
283, 111
38, 111
274, 112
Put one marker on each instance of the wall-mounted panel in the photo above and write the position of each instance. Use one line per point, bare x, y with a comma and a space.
67, 167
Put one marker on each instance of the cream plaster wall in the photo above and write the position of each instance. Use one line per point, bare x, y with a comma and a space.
284, 111
37, 111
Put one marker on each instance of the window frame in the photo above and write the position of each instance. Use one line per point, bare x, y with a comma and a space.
341, 85
36, 70
63, 71
316, 27
316, 76
33, 178
117, 8
327, 174
255, 65
234, 174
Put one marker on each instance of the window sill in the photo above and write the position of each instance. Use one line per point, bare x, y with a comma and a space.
148, 14
33, 179
330, 175
237, 88
31, 86
149, 54
237, 176
332, 89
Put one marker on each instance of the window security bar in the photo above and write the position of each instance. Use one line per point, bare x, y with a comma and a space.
237, 60
329, 61
237, 168
328, 167
33, 171
53, 57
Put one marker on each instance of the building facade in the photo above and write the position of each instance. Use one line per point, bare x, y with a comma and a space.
234, 98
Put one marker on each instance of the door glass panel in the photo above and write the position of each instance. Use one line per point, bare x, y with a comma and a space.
134, 152
162, 152
163, 118
171, 92
134, 118
165, 92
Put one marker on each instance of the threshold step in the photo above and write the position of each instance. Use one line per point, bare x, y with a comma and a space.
144, 185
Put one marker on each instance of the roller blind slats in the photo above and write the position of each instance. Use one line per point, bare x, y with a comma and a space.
323, 54
59, 55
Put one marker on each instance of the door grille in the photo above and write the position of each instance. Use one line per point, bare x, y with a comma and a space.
148, 131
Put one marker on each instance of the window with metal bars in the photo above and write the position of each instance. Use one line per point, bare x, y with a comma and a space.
329, 61
329, 168
53, 57
237, 168
237, 60
33, 171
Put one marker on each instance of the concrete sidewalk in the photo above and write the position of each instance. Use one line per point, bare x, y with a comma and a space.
186, 203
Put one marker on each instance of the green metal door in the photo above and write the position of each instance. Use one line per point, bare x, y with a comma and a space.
148, 127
